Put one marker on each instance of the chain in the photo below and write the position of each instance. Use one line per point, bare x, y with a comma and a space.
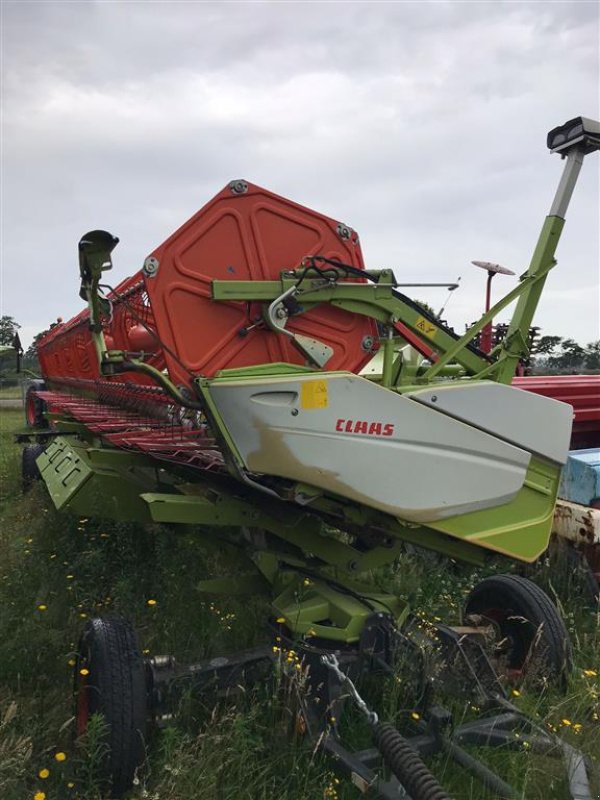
330, 661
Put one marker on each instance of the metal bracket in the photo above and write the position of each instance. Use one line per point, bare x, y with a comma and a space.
277, 316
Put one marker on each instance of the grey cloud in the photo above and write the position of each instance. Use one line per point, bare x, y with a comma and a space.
420, 124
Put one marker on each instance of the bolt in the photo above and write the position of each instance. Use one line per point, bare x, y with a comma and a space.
238, 187
367, 343
294, 412
434, 398
151, 265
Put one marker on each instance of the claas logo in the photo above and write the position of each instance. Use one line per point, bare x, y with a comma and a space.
364, 427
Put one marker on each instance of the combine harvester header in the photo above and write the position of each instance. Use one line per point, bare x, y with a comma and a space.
233, 361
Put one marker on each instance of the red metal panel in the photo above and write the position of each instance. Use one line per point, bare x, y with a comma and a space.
580, 391
249, 236
67, 350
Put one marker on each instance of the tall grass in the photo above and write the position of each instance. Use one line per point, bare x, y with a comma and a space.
57, 571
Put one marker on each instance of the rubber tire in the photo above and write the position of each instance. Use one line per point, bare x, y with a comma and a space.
35, 406
116, 688
30, 472
531, 621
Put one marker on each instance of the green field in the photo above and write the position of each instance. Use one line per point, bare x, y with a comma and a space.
57, 571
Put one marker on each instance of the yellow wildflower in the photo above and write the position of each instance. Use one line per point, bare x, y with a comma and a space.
566, 722
60, 756
39, 796
415, 715
151, 602
43, 773
280, 620
84, 671
42, 607
589, 673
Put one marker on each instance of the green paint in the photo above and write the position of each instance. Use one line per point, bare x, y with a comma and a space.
314, 607
376, 301
520, 529
80, 486
541, 263
260, 370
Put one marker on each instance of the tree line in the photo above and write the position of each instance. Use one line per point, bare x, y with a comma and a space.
555, 355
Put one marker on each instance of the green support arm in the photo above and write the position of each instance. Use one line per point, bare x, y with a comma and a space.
378, 301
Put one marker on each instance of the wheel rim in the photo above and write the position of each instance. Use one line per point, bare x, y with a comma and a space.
519, 635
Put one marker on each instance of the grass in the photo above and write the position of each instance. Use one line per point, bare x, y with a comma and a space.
57, 571
11, 393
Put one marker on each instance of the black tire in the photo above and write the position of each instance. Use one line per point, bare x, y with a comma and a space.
35, 407
533, 637
113, 684
29, 469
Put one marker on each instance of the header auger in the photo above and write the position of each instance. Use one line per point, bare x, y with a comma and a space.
233, 361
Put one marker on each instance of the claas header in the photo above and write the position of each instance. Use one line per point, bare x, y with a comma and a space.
224, 385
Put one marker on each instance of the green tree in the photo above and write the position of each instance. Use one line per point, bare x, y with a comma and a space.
30, 357
8, 327
426, 307
546, 345
571, 357
592, 355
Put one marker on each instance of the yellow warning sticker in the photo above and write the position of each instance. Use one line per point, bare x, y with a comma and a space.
427, 328
313, 394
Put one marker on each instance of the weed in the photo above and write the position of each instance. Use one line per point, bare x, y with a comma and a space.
238, 748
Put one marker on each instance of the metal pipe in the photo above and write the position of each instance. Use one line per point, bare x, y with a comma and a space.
485, 775
388, 359
485, 340
564, 192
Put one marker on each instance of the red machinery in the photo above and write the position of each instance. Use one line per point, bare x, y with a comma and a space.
244, 233
580, 391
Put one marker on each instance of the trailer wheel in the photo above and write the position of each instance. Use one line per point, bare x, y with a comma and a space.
30, 471
532, 640
35, 406
110, 679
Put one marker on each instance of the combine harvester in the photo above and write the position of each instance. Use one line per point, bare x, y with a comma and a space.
220, 386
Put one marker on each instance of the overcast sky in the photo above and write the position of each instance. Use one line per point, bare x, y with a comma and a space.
422, 125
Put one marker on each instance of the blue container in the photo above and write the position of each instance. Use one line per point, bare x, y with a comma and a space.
580, 482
